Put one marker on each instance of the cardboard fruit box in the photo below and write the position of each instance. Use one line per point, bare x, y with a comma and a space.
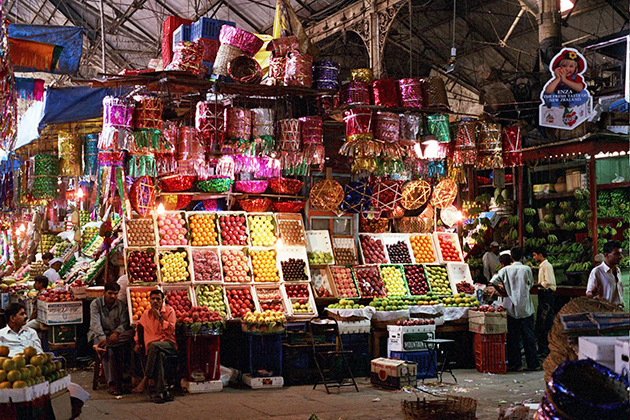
487, 322
409, 338
55, 313
393, 373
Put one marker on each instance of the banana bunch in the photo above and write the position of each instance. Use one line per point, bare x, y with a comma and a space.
582, 266
550, 205
552, 239
545, 226
512, 220
580, 225
529, 211
529, 228
549, 218
513, 234
564, 205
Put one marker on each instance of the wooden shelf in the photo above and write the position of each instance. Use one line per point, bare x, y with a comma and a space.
507, 184
612, 219
614, 185
553, 196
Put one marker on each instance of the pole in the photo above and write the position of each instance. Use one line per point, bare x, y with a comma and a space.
103, 61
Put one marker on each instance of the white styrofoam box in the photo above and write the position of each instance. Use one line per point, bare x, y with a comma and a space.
233, 213
454, 239
433, 248
311, 301
355, 327
458, 272
56, 313
247, 286
269, 382
319, 240
201, 249
414, 334
322, 277
60, 384
175, 286
167, 250
289, 217
245, 250
24, 394
284, 300
298, 252
202, 387
250, 222
138, 289
345, 242
375, 237
600, 349
393, 238
622, 356
255, 249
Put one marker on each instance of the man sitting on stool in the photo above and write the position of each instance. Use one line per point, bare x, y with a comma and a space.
111, 334
16, 335
158, 325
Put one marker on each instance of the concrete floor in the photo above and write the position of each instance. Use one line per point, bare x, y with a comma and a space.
299, 402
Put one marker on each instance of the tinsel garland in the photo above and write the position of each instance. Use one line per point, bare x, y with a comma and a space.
141, 165
146, 140
90, 155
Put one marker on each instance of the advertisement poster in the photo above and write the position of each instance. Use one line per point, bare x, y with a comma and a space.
566, 102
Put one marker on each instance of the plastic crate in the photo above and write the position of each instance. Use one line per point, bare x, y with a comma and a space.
422, 359
356, 342
182, 33
208, 28
490, 353
203, 355
265, 353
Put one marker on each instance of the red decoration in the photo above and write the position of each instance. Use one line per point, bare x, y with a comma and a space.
142, 195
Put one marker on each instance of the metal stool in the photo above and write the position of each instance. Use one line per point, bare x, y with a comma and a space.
437, 347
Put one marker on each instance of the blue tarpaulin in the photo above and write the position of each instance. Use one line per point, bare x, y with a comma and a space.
68, 37
71, 104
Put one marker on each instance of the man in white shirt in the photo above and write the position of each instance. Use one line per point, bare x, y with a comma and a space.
545, 313
53, 272
516, 279
491, 261
16, 335
604, 282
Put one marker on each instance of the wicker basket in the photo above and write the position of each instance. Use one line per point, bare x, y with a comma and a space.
451, 408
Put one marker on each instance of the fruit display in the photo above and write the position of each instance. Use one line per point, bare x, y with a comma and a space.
36, 269
88, 233
394, 280
465, 287
613, 203
172, 229
345, 256
85, 217
369, 282
56, 295
141, 267
301, 306
28, 368
206, 265
139, 303
394, 303
438, 279
461, 300
95, 267
264, 266
320, 258
204, 315
66, 267
342, 276
372, 249
235, 266
180, 301
422, 247
94, 247
490, 308
291, 232
60, 248
269, 321
294, 269
416, 280
203, 229
48, 241
262, 230
140, 232
399, 253
174, 266
233, 230
321, 282
270, 299
297, 290
415, 322
240, 301
448, 248
211, 296
345, 304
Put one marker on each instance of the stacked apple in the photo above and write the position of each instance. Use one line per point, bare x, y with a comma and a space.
297, 290
369, 281
139, 303
240, 301
415, 321
203, 229
394, 280
268, 321
28, 368
301, 306
345, 304
233, 230
140, 232
270, 299
264, 266
207, 265
235, 266
180, 302
174, 266
465, 287
211, 296
438, 278
203, 314
88, 233
422, 246
344, 282
262, 230
56, 295
448, 248
416, 280
172, 229
373, 250
141, 267
294, 269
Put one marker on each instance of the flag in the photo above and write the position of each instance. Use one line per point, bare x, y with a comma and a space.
286, 23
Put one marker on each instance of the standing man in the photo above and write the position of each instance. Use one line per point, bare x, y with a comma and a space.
516, 279
158, 326
491, 261
545, 313
53, 272
16, 335
40, 284
604, 283
111, 334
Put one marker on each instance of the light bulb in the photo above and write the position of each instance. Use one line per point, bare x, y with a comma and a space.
160, 209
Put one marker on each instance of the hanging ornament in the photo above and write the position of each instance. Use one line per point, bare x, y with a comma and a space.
450, 215
386, 195
142, 195
415, 194
444, 193
357, 197
326, 195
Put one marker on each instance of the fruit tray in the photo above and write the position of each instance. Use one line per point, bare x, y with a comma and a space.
372, 287
149, 231
190, 293
347, 287
423, 247
319, 240
271, 294
133, 303
132, 278
162, 226
229, 292
259, 235
456, 255
293, 253
233, 277
211, 296
164, 251
291, 229
323, 283
198, 236
457, 273
439, 286
417, 282
399, 289
224, 229
212, 272
310, 311
258, 275
344, 250
376, 254
398, 248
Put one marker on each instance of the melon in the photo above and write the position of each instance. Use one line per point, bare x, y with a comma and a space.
33, 370
58, 365
26, 373
9, 365
20, 361
38, 360
19, 385
30, 352
3, 375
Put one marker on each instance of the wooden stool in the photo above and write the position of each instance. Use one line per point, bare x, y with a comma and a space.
99, 372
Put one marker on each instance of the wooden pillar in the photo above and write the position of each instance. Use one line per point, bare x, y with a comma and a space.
592, 188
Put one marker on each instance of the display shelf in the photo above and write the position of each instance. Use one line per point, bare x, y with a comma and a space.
457, 273
298, 252
169, 249
374, 237
198, 251
260, 291
455, 241
553, 196
132, 304
319, 240
507, 184
613, 185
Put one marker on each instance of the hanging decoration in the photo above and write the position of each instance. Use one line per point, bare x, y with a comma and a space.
438, 125
357, 197
166, 154
411, 93
489, 145
435, 92
210, 123
142, 196
90, 155
444, 193
298, 69
360, 144
69, 149
325, 74
355, 93
386, 93
111, 179
362, 75
117, 124
238, 130
148, 112
326, 195
386, 195
262, 130
313, 141
415, 194
512, 146
45, 177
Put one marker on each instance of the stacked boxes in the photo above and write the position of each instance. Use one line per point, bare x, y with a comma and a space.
181, 34
168, 29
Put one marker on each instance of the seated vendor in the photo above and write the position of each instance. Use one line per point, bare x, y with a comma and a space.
16, 335
40, 284
53, 272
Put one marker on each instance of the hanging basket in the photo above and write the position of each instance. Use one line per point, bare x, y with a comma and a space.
386, 195
255, 205
176, 183
357, 197
286, 186
444, 193
415, 194
326, 195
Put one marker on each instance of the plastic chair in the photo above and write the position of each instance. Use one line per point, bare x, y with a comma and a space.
327, 355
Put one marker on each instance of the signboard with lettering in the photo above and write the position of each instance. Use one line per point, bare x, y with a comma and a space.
56, 313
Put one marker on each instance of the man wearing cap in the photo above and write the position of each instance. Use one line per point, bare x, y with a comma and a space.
491, 261
52, 273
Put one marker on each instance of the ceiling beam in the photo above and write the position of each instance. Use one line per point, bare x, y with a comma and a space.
210, 6
242, 16
133, 8
41, 7
618, 10
499, 50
